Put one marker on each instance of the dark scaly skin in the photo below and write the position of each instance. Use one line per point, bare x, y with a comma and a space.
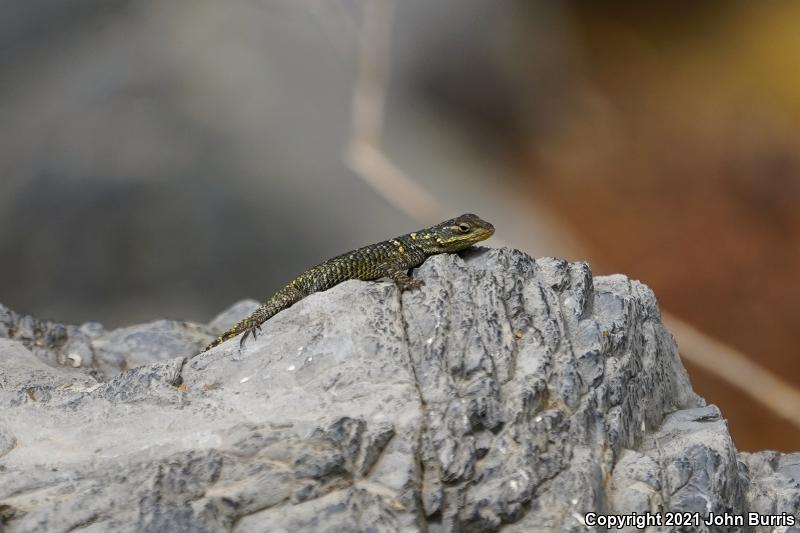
392, 258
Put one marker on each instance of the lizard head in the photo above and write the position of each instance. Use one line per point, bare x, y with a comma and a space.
457, 234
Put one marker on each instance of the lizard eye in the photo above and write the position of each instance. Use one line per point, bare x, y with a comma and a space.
463, 227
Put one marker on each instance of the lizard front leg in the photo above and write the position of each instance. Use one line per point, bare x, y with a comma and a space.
404, 281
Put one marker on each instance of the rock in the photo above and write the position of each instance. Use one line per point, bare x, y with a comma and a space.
138, 345
55, 343
506, 393
102, 353
775, 485
25, 378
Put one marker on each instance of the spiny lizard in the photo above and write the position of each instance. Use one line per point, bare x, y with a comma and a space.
392, 258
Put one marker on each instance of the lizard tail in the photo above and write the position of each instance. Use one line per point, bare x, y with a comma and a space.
231, 333
252, 324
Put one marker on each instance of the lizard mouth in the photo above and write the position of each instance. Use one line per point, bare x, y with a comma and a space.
482, 233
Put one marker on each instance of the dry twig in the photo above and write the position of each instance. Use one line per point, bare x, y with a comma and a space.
369, 161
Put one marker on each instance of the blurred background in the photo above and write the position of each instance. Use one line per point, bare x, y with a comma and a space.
165, 159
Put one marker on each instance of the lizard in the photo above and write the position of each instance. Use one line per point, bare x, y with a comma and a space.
392, 258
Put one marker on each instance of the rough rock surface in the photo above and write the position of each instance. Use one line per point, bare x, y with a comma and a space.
507, 394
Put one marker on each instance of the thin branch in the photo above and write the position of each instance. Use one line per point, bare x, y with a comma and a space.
364, 154
736, 368
368, 160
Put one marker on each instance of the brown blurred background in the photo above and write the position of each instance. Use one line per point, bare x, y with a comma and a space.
166, 159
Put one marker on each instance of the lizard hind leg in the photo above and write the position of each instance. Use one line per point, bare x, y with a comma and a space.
283, 299
231, 333
249, 326
252, 328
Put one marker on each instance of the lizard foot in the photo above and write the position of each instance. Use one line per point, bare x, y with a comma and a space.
409, 283
403, 281
252, 329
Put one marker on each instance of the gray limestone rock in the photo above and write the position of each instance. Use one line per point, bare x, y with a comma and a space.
142, 344
104, 354
55, 343
506, 394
